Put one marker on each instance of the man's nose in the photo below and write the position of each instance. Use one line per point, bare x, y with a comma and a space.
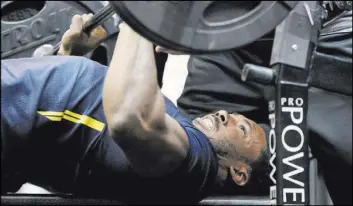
223, 115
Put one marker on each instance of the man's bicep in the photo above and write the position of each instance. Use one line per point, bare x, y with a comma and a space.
153, 152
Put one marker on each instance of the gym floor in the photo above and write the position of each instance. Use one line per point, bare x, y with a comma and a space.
173, 83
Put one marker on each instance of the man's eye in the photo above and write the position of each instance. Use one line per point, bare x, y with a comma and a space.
242, 128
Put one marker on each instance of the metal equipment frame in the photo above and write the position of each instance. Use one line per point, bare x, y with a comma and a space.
294, 44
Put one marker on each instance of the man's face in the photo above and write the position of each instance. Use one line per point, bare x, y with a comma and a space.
246, 137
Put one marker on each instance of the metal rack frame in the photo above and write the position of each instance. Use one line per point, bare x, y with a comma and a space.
294, 44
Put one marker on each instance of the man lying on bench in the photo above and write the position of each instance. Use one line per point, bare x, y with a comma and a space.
75, 126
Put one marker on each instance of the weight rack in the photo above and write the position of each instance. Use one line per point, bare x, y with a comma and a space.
294, 44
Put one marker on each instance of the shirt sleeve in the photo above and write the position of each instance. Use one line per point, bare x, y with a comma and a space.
197, 173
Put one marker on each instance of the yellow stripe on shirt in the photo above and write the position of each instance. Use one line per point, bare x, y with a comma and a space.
55, 119
51, 113
86, 120
73, 117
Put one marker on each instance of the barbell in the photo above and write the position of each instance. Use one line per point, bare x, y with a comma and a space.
197, 27
27, 25
101, 16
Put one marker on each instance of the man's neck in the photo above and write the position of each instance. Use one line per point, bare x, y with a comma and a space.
221, 176
222, 183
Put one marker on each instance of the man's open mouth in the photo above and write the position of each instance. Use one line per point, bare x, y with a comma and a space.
208, 123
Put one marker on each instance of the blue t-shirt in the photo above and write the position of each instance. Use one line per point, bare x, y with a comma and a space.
53, 133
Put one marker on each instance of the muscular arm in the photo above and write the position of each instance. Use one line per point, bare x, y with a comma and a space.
154, 143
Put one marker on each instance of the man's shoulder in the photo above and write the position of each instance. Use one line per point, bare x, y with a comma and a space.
183, 120
172, 110
201, 165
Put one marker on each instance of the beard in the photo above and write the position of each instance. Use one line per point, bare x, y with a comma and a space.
224, 148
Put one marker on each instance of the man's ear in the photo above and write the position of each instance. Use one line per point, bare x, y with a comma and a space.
240, 176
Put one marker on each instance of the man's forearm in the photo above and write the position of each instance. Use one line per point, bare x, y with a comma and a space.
131, 86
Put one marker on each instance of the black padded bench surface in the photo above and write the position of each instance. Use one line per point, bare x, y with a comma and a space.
29, 199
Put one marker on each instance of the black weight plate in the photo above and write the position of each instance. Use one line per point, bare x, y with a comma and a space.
203, 26
26, 25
